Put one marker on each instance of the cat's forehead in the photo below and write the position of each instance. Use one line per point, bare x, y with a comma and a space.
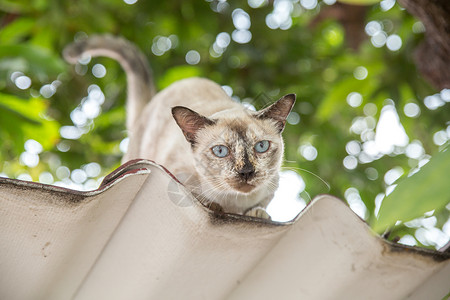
245, 128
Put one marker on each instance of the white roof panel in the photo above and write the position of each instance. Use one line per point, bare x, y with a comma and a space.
141, 236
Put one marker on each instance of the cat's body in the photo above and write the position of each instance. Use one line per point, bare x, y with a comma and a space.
162, 132
215, 146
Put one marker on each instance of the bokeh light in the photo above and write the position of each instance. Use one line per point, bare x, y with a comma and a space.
280, 17
162, 44
355, 202
309, 4
379, 39
353, 148
415, 150
192, 57
46, 178
433, 102
393, 42
23, 82
99, 70
389, 131
257, 3
371, 173
287, 203
440, 137
123, 146
241, 21
350, 162
360, 73
411, 110
392, 175
387, 4
308, 151
48, 90
293, 118
354, 99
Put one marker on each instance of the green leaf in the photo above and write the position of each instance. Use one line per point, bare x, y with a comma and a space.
424, 191
23, 119
335, 99
23, 6
177, 73
16, 30
41, 62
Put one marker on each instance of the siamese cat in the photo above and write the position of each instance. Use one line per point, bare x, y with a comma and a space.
232, 154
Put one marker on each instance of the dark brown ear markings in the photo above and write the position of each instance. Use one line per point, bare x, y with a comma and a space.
189, 121
278, 111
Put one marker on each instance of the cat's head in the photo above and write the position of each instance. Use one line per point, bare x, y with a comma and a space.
237, 150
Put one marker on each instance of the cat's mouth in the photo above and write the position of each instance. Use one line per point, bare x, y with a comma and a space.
242, 186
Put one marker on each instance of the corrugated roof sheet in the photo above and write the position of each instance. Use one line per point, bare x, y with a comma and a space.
141, 236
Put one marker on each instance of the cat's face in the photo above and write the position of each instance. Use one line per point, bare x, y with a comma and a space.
237, 150
241, 153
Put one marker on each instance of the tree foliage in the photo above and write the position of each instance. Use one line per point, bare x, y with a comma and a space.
261, 51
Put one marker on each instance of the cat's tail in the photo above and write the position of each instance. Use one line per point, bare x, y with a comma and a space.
140, 87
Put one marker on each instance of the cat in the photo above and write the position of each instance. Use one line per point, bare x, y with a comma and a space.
231, 154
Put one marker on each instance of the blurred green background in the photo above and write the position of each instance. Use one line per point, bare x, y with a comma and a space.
364, 116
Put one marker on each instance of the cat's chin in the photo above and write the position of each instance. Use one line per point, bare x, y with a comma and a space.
243, 187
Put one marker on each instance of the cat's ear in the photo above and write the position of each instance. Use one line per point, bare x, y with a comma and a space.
278, 111
189, 121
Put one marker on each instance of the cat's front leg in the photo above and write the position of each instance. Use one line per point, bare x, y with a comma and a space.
257, 212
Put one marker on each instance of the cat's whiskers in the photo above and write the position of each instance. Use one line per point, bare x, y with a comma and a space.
290, 161
309, 172
272, 185
217, 182
210, 195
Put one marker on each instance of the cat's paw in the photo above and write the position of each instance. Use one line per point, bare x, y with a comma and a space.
258, 212
216, 208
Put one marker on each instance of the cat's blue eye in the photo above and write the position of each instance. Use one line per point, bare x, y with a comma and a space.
262, 146
220, 150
